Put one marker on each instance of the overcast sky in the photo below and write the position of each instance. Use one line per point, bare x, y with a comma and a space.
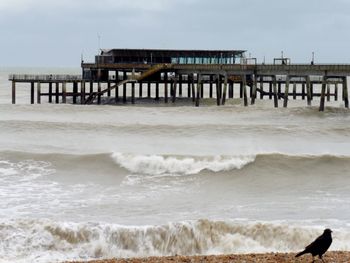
56, 33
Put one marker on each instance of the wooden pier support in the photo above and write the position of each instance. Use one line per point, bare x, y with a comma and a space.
336, 92
32, 92
174, 87
270, 90
57, 93
99, 93
323, 93
224, 91
261, 88
166, 87
328, 92
75, 92
286, 93
308, 91
157, 91
345, 92
50, 92
116, 92
303, 91
64, 92
140, 89
275, 94
189, 86
231, 89
193, 89
244, 88
294, 91
218, 89
180, 85
38, 90
82, 98
133, 93
149, 89
13, 92
124, 86
253, 90
199, 82
211, 86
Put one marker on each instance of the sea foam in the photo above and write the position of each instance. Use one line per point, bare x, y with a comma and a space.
158, 164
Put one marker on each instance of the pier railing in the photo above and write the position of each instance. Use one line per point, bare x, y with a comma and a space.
46, 77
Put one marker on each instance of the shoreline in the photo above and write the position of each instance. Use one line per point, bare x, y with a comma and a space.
332, 256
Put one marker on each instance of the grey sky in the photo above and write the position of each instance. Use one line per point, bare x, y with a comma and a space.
56, 33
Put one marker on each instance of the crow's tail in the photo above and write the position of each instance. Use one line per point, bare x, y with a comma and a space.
300, 254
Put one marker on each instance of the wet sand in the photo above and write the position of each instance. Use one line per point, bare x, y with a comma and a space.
329, 257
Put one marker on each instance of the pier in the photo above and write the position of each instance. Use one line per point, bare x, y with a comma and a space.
125, 75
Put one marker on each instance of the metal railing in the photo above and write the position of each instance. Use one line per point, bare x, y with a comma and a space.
47, 77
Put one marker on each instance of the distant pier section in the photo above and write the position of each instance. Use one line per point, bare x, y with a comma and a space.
126, 75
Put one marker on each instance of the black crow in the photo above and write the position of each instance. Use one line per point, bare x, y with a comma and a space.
319, 246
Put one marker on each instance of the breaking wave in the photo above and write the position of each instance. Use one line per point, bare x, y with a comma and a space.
157, 164
38, 241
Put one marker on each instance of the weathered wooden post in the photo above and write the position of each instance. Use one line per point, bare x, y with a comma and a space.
50, 92
286, 93
166, 87
116, 92
98, 92
225, 90
303, 90
174, 86
38, 90
157, 90
193, 89
336, 91
189, 86
323, 93
218, 90
125, 77
64, 92
133, 92
198, 89
294, 90
253, 90
211, 86
180, 85
345, 92
261, 87
82, 99
275, 92
32, 92
308, 90
75, 92
149, 89
270, 90
244, 86
13, 92
232, 89
57, 93
140, 89
241, 89
91, 88
108, 89
328, 92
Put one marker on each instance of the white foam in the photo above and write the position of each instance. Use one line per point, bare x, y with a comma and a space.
160, 165
48, 241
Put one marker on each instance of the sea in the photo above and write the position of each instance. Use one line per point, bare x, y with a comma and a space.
80, 182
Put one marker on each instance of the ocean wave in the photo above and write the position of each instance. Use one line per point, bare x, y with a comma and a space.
44, 240
158, 164
38, 164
